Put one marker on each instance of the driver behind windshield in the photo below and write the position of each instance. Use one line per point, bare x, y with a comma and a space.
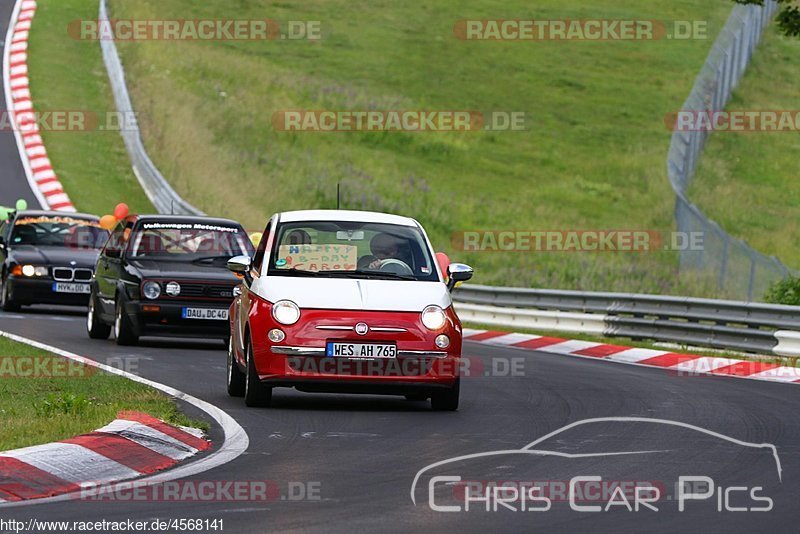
384, 247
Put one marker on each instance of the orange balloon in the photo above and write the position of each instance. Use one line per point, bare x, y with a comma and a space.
121, 211
108, 222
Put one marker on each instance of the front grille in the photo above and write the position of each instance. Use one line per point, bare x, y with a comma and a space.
201, 290
63, 274
68, 274
83, 275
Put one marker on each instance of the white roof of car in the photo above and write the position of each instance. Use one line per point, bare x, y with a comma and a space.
346, 215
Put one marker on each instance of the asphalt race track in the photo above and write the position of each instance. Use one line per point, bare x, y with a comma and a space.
361, 453
12, 175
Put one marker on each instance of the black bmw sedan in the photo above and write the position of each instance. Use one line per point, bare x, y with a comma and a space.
48, 257
166, 275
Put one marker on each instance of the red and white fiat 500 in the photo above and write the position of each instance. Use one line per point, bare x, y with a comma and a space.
346, 302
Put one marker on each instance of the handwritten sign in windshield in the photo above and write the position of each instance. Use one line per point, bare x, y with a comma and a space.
317, 258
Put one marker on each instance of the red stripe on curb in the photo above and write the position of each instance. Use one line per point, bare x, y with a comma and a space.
539, 342
483, 336
27, 482
124, 451
745, 368
669, 360
56, 207
601, 351
171, 431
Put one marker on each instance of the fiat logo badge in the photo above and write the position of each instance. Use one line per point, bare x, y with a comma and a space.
362, 329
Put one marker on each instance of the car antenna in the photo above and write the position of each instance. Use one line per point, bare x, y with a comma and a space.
338, 198
172, 207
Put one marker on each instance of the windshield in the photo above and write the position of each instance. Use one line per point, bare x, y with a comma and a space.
67, 232
352, 250
189, 242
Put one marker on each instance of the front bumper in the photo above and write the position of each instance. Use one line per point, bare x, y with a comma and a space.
168, 319
25, 290
300, 360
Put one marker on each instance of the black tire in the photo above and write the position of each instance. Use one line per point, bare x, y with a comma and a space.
5, 300
447, 401
95, 326
236, 378
123, 329
256, 394
416, 397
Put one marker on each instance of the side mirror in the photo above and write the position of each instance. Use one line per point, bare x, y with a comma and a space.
240, 265
458, 272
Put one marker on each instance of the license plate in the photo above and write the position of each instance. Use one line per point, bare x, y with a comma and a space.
205, 313
361, 350
59, 287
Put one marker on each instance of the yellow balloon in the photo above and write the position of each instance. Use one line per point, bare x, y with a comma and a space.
255, 237
108, 222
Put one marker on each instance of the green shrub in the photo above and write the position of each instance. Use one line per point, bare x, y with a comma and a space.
786, 291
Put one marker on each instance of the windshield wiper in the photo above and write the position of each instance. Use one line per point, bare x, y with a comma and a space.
293, 272
211, 259
372, 275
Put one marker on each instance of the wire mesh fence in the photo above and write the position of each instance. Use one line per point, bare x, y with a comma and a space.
739, 270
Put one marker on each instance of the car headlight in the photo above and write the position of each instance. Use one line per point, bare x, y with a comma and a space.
286, 312
433, 317
32, 270
151, 290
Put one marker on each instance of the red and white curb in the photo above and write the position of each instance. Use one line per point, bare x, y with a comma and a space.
233, 445
685, 364
134, 445
38, 168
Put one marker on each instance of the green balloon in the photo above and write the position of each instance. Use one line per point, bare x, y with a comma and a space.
3, 213
22, 204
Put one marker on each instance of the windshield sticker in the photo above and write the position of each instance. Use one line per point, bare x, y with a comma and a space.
317, 257
57, 220
190, 226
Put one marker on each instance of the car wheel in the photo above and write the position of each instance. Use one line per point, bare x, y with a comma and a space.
416, 398
96, 328
256, 394
236, 378
123, 330
5, 299
447, 401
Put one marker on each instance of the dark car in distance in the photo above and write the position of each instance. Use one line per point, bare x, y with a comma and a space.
48, 257
166, 275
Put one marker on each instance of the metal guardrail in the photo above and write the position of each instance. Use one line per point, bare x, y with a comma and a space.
721, 324
155, 186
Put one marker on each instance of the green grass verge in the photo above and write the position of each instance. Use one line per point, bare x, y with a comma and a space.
69, 75
747, 181
594, 157
66, 399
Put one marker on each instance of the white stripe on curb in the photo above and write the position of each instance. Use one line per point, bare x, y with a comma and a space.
158, 442
71, 462
235, 444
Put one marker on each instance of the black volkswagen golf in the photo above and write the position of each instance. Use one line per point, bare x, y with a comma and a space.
162, 275
48, 257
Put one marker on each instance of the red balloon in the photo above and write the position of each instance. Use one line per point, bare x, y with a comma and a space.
121, 211
444, 263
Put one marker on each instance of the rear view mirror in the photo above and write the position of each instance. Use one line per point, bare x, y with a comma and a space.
458, 272
350, 235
